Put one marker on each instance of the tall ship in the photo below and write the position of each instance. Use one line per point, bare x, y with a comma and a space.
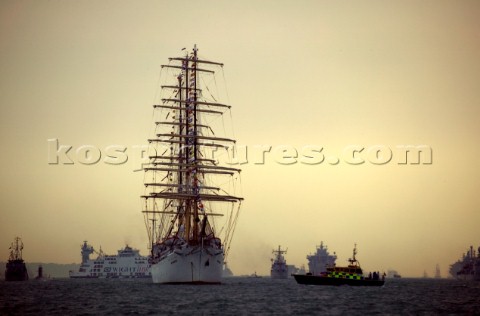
279, 268
468, 267
190, 202
127, 263
352, 275
320, 260
16, 269
438, 275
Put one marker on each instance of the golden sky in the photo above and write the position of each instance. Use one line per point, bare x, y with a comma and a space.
321, 73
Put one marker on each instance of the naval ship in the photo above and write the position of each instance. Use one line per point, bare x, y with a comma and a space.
279, 268
128, 263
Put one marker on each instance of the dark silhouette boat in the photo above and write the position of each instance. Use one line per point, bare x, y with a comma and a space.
349, 275
15, 268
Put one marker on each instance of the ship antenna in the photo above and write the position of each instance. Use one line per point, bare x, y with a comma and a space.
353, 259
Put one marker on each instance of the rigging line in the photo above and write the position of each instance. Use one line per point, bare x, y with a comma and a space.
233, 231
146, 217
207, 85
225, 83
227, 225
216, 86
158, 85
228, 101
208, 89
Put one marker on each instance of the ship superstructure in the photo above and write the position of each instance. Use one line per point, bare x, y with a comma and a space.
279, 269
190, 204
127, 263
468, 267
320, 260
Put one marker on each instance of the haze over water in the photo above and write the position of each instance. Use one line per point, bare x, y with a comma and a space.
299, 73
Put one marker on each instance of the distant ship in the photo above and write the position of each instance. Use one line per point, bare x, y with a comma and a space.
318, 262
128, 263
190, 203
292, 269
468, 267
15, 268
279, 268
438, 275
393, 274
349, 275
227, 273
40, 276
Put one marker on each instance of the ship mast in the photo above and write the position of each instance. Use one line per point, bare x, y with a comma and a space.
279, 252
16, 249
179, 179
353, 261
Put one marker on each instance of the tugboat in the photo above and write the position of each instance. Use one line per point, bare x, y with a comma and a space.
16, 269
350, 275
279, 268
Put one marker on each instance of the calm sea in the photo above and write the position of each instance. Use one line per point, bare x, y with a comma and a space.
244, 296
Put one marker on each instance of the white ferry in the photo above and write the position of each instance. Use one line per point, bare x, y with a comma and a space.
128, 263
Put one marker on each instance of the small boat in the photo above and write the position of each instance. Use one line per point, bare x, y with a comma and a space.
254, 275
350, 275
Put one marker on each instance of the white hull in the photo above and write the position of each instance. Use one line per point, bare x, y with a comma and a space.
189, 265
128, 263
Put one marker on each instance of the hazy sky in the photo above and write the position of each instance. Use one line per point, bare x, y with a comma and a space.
323, 73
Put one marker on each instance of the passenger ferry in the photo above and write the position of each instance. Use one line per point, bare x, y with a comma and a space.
128, 263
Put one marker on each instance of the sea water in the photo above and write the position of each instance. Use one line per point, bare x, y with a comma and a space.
237, 296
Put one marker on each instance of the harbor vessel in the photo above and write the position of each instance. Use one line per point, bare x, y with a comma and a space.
16, 269
279, 269
127, 263
320, 260
190, 201
468, 267
349, 275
